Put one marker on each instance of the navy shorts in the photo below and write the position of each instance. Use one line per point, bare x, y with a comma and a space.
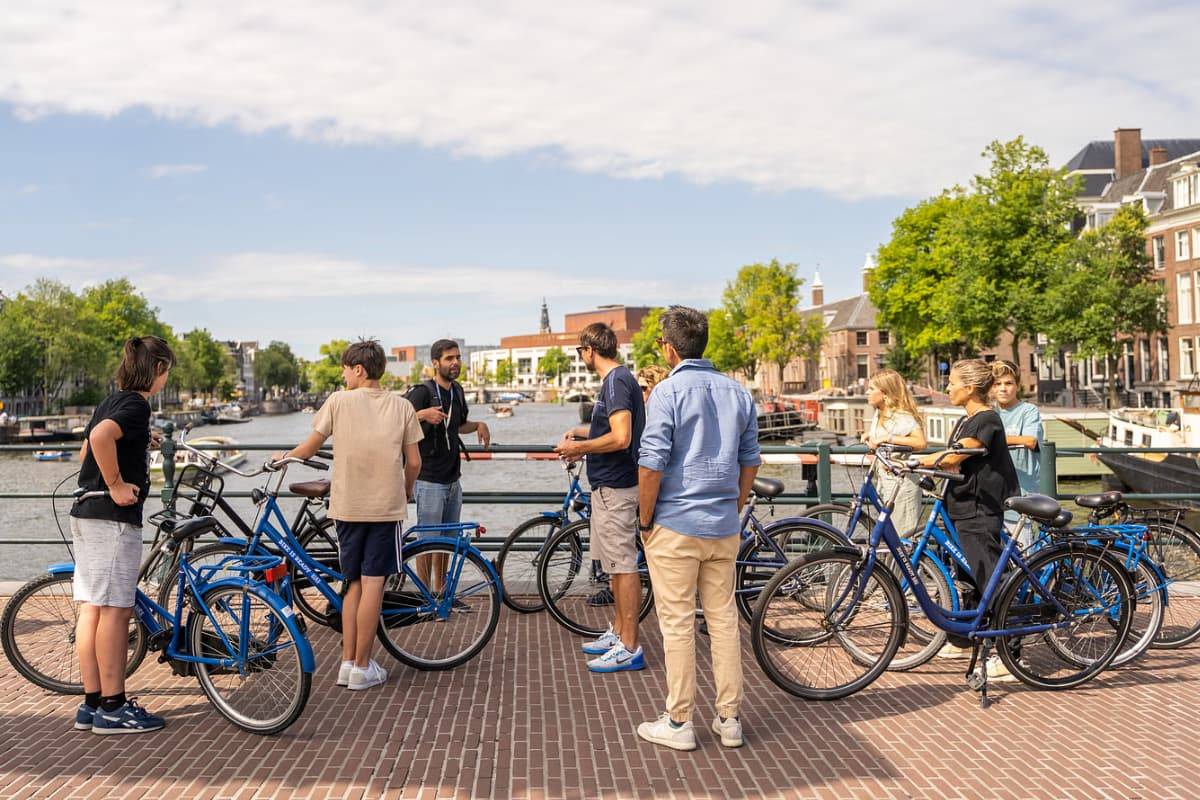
368, 548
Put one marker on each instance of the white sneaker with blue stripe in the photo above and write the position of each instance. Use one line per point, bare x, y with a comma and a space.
618, 659
129, 718
598, 647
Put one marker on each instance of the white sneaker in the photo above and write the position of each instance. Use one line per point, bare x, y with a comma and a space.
344, 673
661, 731
996, 671
373, 675
950, 651
729, 730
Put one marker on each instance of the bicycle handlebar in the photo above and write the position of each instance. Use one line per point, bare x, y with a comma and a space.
275, 466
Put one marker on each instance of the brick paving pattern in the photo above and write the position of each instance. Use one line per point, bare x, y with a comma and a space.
526, 719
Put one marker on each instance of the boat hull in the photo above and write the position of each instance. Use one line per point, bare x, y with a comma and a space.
1173, 474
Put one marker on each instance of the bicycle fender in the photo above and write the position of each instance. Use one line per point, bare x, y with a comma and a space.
549, 515
233, 540
65, 568
489, 563
307, 660
775, 524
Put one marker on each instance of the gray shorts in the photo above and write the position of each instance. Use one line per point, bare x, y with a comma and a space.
614, 529
108, 556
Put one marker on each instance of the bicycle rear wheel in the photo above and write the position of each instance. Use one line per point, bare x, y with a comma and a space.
924, 639
569, 582
1175, 548
517, 562
321, 544
38, 632
757, 561
812, 638
203, 556
266, 693
839, 515
1098, 599
439, 630
1147, 615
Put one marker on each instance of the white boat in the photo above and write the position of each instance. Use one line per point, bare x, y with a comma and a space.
227, 451
502, 411
1155, 427
51, 455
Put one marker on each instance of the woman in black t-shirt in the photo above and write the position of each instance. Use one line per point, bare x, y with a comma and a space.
976, 505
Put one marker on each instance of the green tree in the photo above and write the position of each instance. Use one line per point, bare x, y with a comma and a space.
910, 367
122, 313
553, 363
325, 374
645, 342
726, 343
393, 383
762, 320
276, 368
1103, 292
504, 372
414, 374
205, 365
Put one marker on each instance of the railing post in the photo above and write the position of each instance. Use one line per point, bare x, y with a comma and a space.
824, 474
167, 448
1048, 479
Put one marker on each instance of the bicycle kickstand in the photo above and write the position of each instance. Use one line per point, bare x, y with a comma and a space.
977, 675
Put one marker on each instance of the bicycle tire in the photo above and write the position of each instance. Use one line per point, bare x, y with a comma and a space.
757, 563
517, 575
58, 630
403, 636
208, 553
838, 515
1175, 548
1058, 568
285, 658
1147, 616
567, 557
817, 574
924, 640
321, 543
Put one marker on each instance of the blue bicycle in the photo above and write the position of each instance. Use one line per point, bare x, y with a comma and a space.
517, 561
238, 638
829, 623
424, 627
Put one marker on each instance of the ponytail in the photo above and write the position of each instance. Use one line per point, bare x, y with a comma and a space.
143, 359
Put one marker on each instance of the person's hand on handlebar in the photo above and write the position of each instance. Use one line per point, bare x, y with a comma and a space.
123, 494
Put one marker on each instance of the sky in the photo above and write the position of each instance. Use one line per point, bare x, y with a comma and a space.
309, 171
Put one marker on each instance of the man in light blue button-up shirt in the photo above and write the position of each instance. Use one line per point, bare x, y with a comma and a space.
697, 462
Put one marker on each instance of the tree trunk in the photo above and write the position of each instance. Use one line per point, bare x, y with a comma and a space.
1016, 349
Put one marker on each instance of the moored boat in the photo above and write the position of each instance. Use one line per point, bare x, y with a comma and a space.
226, 450
51, 455
1155, 427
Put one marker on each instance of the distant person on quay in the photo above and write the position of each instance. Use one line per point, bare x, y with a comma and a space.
698, 461
611, 443
442, 411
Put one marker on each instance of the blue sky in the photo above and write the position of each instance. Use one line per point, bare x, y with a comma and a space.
412, 171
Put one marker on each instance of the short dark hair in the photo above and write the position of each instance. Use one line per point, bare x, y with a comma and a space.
600, 338
438, 348
685, 329
143, 359
368, 354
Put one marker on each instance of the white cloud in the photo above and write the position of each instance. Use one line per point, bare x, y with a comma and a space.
29, 188
35, 266
171, 170
863, 97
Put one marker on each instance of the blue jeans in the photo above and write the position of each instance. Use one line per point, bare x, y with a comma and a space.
437, 504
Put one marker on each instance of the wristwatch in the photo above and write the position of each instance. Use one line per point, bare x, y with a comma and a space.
645, 528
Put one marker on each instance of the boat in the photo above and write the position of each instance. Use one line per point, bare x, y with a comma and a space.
227, 451
1155, 427
51, 455
512, 398
502, 411
577, 396
308, 410
228, 414
61, 428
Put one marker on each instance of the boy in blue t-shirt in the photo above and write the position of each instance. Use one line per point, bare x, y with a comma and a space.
1023, 429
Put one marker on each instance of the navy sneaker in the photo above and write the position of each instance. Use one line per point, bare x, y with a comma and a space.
129, 718
83, 717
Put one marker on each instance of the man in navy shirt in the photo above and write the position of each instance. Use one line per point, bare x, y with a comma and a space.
611, 445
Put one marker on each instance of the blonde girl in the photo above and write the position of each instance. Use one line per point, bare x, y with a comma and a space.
896, 421
650, 376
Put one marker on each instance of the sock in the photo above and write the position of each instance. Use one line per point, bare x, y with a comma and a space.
112, 703
92, 699
676, 725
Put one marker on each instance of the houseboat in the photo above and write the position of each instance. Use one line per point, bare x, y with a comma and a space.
226, 450
1155, 427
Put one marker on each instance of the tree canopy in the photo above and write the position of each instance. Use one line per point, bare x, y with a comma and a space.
325, 374
276, 368
553, 363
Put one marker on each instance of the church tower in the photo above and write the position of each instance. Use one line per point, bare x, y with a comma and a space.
544, 324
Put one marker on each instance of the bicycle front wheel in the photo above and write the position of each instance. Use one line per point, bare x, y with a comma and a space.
442, 623
572, 587
839, 515
1176, 550
1092, 608
1147, 616
266, 692
757, 561
38, 632
517, 562
816, 636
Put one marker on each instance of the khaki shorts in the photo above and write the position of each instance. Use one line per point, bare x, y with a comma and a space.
108, 557
614, 529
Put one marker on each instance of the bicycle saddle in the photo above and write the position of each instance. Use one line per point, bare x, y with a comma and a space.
1099, 500
768, 487
318, 488
1061, 520
1035, 506
191, 528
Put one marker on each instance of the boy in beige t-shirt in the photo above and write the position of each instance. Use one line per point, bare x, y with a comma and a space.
377, 461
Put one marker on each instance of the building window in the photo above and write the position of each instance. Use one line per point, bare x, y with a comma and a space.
1183, 246
885, 337
1164, 359
1127, 356
1184, 297
863, 368
1144, 354
1187, 366
1160, 252
860, 338
1182, 192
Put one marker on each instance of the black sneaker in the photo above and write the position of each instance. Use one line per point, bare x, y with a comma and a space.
604, 597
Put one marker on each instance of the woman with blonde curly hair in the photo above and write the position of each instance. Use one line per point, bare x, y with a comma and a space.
650, 376
896, 421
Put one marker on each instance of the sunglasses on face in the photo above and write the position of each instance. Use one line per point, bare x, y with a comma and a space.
579, 350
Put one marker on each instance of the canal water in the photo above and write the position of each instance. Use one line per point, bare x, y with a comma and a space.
532, 423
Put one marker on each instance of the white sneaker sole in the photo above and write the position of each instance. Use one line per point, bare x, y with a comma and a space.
118, 731
674, 744
738, 742
83, 726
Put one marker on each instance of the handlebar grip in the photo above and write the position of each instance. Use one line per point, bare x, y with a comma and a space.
956, 477
326, 454
971, 451
311, 464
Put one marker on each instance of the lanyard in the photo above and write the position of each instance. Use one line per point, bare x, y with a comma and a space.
449, 412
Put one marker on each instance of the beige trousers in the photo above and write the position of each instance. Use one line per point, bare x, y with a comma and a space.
679, 565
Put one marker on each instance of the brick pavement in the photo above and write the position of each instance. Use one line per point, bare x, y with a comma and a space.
526, 719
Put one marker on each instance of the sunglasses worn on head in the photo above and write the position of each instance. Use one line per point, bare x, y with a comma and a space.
660, 341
